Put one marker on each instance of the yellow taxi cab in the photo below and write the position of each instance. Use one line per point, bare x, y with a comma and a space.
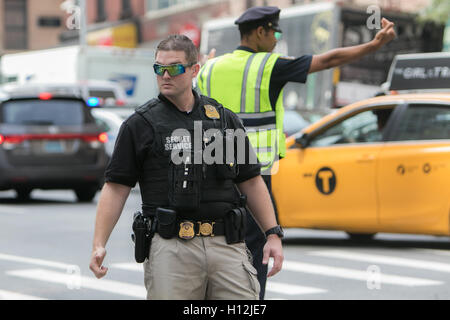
378, 165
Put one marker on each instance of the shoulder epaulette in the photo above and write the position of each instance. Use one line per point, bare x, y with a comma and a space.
146, 106
211, 101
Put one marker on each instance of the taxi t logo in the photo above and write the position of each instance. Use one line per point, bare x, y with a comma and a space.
326, 180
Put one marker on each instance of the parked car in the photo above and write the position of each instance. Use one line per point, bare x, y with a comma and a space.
50, 141
378, 165
97, 93
110, 122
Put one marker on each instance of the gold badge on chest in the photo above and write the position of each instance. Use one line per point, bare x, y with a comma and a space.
211, 112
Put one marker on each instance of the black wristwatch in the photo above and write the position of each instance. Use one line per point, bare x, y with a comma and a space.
275, 230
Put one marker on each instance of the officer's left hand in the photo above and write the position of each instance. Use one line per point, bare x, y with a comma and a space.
273, 248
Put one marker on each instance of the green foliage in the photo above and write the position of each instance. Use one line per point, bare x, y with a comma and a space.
438, 11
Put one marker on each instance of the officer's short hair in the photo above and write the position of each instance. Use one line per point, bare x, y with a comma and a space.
246, 29
179, 42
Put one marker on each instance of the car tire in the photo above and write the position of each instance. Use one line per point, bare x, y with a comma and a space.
23, 194
361, 237
86, 194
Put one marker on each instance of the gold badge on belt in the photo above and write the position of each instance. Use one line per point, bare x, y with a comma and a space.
206, 229
211, 112
186, 230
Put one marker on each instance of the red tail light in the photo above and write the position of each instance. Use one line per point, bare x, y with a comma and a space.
120, 102
103, 137
45, 96
14, 139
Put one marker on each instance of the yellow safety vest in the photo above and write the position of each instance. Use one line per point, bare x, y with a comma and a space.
240, 82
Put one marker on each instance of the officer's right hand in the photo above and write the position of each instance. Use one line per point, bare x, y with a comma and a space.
96, 262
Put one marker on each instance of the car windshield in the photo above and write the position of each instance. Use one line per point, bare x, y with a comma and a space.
43, 112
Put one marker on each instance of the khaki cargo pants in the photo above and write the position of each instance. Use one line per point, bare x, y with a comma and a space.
202, 268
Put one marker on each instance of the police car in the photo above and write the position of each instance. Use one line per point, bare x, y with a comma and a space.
378, 165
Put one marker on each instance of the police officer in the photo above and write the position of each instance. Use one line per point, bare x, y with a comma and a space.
190, 256
250, 81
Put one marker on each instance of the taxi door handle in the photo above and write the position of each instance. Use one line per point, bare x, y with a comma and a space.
365, 158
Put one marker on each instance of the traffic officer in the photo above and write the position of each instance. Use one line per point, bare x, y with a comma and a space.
195, 253
250, 82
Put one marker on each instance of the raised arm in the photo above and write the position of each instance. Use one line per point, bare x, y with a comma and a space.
339, 56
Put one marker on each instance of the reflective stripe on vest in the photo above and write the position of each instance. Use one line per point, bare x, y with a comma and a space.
240, 82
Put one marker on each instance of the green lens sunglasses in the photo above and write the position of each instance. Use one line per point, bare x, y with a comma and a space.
277, 35
173, 69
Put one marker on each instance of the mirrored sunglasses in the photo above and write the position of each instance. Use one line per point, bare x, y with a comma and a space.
173, 69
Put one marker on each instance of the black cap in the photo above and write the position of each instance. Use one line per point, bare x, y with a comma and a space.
267, 16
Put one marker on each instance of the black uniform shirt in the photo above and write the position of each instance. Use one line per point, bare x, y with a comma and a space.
136, 137
286, 69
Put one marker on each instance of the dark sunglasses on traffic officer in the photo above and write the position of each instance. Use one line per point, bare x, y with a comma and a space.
277, 30
172, 69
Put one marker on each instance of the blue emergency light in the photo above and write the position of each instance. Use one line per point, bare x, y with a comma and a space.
93, 102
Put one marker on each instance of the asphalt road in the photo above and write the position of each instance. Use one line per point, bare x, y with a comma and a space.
45, 247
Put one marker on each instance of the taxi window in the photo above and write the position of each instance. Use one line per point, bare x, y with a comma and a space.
424, 122
363, 127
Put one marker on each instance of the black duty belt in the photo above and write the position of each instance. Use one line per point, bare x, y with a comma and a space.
188, 229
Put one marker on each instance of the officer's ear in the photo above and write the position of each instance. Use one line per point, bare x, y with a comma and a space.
261, 32
195, 70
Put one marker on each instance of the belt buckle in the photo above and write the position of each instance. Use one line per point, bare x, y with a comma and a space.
205, 229
186, 230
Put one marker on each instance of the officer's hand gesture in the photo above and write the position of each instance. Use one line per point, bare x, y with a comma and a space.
96, 263
205, 58
386, 34
273, 248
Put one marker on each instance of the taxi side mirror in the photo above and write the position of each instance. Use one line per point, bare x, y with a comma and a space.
302, 141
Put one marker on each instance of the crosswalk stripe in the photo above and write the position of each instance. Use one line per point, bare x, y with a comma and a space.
12, 210
40, 262
373, 258
272, 286
9, 295
81, 282
355, 274
328, 271
439, 252
129, 266
290, 289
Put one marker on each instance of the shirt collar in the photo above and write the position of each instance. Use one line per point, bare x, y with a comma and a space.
168, 102
246, 49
